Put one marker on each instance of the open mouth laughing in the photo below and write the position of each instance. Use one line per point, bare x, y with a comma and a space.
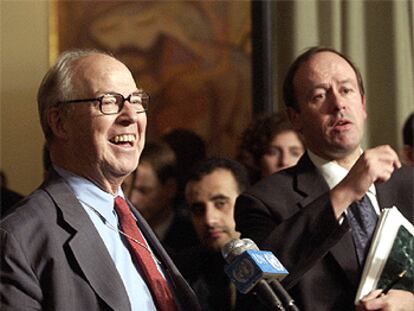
123, 139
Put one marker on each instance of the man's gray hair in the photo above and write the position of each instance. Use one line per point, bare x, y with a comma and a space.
57, 85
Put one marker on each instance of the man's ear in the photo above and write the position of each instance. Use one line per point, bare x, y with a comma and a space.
294, 118
56, 121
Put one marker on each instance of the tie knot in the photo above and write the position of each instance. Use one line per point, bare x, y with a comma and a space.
121, 206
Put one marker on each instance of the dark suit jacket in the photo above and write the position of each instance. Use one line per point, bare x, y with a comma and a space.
54, 259
180, 234
204, 271
290, 214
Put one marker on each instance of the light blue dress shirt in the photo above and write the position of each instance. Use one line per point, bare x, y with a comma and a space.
93, 198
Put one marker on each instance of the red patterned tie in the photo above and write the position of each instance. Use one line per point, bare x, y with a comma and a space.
161, 293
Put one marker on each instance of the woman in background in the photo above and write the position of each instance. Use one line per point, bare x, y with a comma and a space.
268, 145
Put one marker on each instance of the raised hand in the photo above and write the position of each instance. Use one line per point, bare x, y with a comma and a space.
374, 165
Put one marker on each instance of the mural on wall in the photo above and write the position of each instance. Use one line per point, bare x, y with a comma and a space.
192, 57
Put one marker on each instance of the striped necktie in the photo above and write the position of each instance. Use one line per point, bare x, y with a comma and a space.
139, 249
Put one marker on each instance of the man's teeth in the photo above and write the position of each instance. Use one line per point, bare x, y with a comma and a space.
126, 138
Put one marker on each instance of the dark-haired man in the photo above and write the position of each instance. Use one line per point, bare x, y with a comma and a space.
304, 214
211, 193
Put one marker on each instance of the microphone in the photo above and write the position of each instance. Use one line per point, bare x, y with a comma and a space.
258, 271
281, 292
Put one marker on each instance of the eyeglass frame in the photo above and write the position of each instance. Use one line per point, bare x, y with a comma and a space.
142, 94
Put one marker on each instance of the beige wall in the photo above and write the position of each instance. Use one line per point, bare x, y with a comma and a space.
24, 60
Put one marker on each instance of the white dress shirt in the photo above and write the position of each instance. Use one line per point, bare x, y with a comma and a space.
333, 174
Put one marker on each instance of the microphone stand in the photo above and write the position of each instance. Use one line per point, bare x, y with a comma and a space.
266, 294
279, 291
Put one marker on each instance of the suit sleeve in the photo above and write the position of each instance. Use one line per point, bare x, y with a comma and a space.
298, 236
19, 287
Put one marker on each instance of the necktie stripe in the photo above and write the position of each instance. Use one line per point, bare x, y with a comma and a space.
157, 284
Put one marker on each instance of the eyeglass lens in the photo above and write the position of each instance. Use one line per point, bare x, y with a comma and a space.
113, 103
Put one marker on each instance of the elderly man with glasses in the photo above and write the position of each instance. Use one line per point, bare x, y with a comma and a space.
75, 243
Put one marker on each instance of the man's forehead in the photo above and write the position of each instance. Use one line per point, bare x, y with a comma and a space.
99, 73
225, 187
325, 66
94, 62
219, 178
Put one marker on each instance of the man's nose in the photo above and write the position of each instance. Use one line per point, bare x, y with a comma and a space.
210, 215
129, 113
337, 100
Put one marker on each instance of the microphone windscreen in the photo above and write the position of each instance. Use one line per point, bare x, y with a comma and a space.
236, 247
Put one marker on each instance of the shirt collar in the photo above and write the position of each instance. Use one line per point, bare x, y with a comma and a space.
89, 193
331, 171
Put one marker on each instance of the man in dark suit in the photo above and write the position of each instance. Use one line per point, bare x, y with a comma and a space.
302, 214
68, 246
211, 191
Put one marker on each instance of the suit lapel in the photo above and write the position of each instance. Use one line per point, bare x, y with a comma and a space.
311, 184
88, 248
156, 247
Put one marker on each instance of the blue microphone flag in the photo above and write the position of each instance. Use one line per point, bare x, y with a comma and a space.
247, 269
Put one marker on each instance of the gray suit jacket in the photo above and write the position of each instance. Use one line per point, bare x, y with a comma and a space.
290, 214
52, 258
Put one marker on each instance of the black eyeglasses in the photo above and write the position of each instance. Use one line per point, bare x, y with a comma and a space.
113, 103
